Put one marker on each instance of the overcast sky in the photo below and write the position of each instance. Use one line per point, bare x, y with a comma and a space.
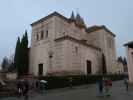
17, 15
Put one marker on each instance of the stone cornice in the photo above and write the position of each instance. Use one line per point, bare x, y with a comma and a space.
77, 41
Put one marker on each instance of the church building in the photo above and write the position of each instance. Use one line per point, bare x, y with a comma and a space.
66, 46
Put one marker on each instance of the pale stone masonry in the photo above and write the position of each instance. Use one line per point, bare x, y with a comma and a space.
129, 53
104, 39
61, 46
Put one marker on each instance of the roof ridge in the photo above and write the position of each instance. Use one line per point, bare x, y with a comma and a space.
49, 15
88, 30
98, 27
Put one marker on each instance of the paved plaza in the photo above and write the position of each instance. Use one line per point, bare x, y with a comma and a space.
86, 92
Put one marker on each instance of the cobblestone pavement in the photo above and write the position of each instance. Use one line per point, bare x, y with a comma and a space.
86, 92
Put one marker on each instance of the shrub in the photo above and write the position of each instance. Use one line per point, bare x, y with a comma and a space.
75, 80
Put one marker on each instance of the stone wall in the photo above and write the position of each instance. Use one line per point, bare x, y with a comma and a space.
39, 51
64, 28
106, 42
64, 56
129, 52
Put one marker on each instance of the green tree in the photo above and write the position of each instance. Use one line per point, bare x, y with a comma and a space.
5, 64
17, 57
11, 67
124, 61
24, 59
21, 58
120, 59
125, 64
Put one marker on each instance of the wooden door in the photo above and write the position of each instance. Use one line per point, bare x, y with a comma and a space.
88, 63
40, 69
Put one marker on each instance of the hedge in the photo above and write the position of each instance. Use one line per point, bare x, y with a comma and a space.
74, 80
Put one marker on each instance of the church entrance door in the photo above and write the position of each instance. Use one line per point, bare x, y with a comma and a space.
40, 69
88, 63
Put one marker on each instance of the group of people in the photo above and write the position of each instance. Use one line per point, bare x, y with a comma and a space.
104, 86
23, 88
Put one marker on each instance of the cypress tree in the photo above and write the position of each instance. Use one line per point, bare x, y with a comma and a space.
17, 57
24, 54
21, 58
120, 59
124, 61
26, 57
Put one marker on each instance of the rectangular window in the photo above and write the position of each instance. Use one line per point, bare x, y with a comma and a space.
37, 37
109, 42
40, 69
46, 34
76, 50
42, 34
88, 65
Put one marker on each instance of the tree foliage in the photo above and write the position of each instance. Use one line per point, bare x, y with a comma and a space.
5, 64
17, 56
125, 61
122, 60
21, 57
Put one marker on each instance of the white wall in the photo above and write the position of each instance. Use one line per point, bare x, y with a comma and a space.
40, 48
100, 39
64, 28
129, 52
77, 61
64, 57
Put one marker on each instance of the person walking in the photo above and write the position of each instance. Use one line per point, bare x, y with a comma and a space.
19, 88
100, 87
126, 83
108, 85
26, 90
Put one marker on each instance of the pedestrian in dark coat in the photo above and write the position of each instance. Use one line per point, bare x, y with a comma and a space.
100, 87
19, 88
26, 89
126, 84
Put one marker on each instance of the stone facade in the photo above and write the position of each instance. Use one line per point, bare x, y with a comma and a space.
106, 42
129, 53
59, 46
118, 68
